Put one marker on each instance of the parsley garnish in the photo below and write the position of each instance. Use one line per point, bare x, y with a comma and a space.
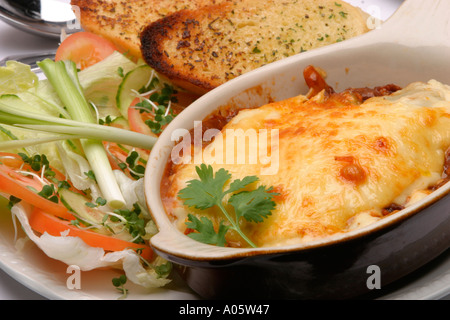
208, 192
206, 232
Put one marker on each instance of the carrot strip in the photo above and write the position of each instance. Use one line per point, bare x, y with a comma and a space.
41, 222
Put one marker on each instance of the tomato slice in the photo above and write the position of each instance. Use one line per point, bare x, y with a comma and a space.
85, 49
118, 154
41, 222
19, 180
136, 119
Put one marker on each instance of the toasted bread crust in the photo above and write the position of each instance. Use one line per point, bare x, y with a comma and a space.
153, 39
202, 48
122, 21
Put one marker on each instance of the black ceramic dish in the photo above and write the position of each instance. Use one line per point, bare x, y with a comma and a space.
341, 266
343, 269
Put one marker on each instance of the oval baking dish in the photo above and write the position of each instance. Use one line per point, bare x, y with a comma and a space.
337, 266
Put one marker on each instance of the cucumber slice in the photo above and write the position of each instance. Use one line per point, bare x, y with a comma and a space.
133, 80
120, 122
76, 203
12, 100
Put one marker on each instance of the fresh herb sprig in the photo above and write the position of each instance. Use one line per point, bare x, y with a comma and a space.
38, 162
119, 284
158, 104
163, 116
136, 170
208, 191
135, 224
48, 192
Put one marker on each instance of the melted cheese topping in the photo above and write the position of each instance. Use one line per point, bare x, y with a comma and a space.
338, 163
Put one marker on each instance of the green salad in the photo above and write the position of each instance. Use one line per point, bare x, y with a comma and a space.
74, 145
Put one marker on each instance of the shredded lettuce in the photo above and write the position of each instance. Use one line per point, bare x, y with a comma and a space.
51, 134
133, 190
75, 166
16, 77
101, 81
73, 251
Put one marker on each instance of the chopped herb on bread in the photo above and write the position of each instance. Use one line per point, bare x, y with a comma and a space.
202, 48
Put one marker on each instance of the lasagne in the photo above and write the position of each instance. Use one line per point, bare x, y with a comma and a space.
344, 160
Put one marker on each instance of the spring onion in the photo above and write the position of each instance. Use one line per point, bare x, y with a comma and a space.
46, 123
16, 144
63, 77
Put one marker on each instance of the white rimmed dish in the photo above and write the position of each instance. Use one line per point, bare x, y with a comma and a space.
413, 45
48, 277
